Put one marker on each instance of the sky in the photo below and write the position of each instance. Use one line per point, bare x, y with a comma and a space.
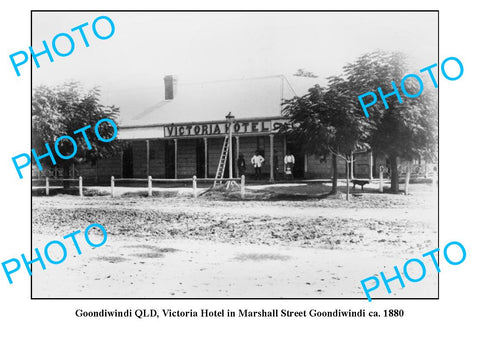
202, 46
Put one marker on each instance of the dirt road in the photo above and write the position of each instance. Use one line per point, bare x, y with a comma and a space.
182, 247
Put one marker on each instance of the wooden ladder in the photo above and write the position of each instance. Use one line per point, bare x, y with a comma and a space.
222, 162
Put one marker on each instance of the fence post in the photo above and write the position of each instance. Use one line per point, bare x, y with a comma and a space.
80, 186
112, 184
407, 179
149, 186
380, 188
47, 186
242, 187
194, 183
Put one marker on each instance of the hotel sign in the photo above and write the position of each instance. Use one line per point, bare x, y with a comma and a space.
212, 129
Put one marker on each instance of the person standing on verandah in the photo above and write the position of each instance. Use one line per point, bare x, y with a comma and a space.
241, 165
257, 161
289, 163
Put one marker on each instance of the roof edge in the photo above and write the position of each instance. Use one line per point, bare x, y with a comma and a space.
200, 122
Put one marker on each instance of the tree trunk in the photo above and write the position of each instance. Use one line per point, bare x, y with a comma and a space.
348, 179
335, 175
394, 174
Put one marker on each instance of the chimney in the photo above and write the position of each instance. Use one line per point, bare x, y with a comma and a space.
170, 87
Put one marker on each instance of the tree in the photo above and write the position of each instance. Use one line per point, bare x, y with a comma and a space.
332, 121
349, 132
324, 122
302, 73
306, 124
404, 130
60, 111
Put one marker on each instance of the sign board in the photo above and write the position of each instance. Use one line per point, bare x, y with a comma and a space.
212, 129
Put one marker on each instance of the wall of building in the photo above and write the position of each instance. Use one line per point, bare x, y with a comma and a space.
248, 146
317, 167
89, 171
361, 165
101, 171
278, 145
186, 158
157, 158
214, 150
320, 167
139, 159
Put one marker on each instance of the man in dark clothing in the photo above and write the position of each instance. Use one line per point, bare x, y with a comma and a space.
241, 165
275, 164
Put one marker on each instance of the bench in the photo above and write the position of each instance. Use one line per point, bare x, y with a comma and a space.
359, 182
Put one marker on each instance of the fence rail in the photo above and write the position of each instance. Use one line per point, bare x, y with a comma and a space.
55, 179
149, 181
47, 183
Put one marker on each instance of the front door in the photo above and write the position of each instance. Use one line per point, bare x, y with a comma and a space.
127, 161
169, 159
297, 152
200, 153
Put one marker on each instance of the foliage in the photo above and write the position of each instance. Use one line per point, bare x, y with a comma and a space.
60, 111
324, 122
405, 130
302, 73
331, 120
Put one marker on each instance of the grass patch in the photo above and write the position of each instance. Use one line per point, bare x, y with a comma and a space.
161, 194
72, 191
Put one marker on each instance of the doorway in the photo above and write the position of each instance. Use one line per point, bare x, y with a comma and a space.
200, 153
169, 158
127, 161
297, 152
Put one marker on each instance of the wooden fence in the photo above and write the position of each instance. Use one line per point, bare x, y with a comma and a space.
149, 181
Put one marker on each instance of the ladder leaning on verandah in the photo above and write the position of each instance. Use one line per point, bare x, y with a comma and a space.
222, 162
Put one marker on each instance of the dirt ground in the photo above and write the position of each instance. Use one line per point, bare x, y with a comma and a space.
285, 241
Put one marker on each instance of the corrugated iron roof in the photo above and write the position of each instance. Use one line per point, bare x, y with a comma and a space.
213, 100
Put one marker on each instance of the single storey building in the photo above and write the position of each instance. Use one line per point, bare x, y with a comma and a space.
182, 135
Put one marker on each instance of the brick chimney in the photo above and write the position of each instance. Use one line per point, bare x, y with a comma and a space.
170, 87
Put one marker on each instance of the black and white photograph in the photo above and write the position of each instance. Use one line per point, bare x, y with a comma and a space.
239, 170
235, 154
